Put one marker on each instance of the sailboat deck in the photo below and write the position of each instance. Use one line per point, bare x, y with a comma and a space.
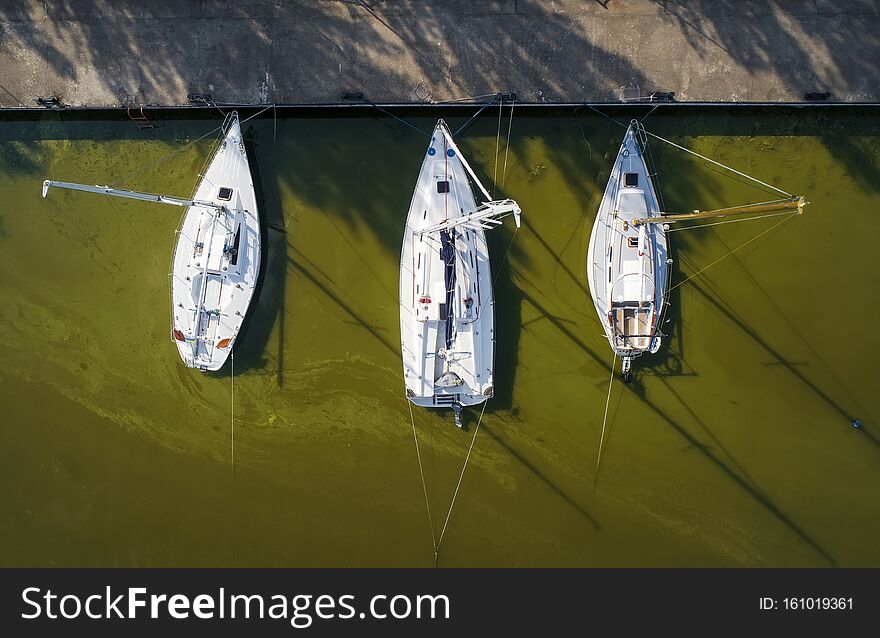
627, 266
445, 291
216, 260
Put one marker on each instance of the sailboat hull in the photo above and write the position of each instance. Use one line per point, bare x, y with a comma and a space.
627, 264
216, 259
446, 304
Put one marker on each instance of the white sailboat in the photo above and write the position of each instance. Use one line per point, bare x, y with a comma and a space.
628, 261
627, 265
216, 260
446, 304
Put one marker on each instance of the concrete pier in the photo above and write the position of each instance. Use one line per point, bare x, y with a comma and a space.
156, 52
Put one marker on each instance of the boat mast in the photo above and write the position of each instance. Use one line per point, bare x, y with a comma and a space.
512, 206
117, 192
467, 166
792, 203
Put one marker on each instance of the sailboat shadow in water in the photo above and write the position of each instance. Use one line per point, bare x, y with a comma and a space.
637, 389
780, 360
670, 360
269, 303
742, 481
508, 327
299, 264
536, 472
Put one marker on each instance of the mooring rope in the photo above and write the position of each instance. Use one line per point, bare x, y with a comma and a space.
497, 144
399, 119
657, 106
214, 104
458, 485
732, 221
498, 96
602, 114
260, 112
725, 256
605, 417
164, 158
424, 484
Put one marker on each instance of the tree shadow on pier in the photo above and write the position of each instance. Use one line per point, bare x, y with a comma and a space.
808, 50
259, 52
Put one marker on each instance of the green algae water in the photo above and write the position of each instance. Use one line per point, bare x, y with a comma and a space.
732, 447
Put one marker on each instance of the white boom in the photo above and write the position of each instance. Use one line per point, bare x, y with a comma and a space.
486, 216
117, 192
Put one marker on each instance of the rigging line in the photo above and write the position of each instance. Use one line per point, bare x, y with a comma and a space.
498, 272
603, 115
504, 260
260, 112
165, 157
605, 418
424, 484
656, 174
184, 147
232, 394
748, 183
761, 234
497, 142
507, 146
474, 116
677, 313
731, 221
461, 476
733, 170
214, 104
399, 119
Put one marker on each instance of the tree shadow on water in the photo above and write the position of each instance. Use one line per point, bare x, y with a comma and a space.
738, 479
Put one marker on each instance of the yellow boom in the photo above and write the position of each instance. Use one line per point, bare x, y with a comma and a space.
792, 203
